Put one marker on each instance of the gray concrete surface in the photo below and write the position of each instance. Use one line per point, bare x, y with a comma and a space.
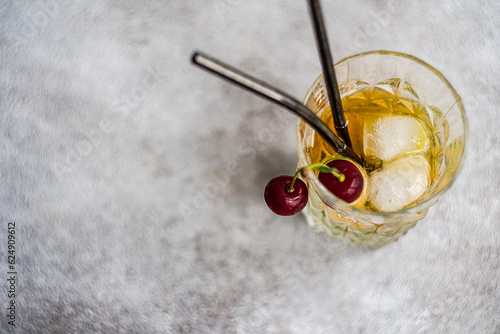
136, 180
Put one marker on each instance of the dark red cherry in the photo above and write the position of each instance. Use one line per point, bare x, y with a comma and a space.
282, 201
351, 188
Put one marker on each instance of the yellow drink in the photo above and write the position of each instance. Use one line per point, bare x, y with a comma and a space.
389, 98
364, 107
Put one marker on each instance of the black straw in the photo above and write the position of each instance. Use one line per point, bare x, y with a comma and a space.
273, 94
332, 88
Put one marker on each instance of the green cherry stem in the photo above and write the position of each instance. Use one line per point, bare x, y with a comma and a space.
322, 168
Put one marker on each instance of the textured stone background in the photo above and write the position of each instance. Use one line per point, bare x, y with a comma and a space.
136, 179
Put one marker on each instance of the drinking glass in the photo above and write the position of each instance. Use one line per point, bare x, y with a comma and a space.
328, 213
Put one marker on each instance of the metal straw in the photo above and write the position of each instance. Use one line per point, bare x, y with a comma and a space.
273, 94
332, 88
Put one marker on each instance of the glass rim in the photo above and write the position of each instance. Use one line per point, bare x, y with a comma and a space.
421, 205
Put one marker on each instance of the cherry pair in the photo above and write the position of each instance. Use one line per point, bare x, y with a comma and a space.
286, 195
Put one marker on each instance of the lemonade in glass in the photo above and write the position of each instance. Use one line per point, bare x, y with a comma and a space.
408, 125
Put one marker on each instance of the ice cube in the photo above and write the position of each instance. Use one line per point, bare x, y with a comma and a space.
399, 183
392, 137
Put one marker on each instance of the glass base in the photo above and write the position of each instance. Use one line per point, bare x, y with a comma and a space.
373, 236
